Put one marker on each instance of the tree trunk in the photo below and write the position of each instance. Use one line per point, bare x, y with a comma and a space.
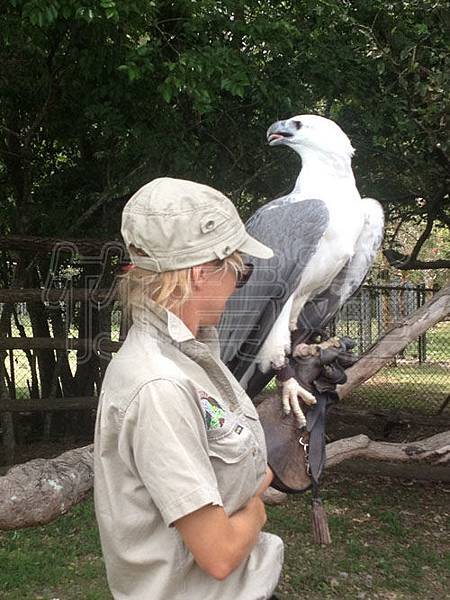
87, 362
392, 342
45, 358
61, 329
6, 419
40, 491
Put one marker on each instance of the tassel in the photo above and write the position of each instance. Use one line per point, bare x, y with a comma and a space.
321, 533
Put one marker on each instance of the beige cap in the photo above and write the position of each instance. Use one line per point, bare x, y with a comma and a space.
180, 224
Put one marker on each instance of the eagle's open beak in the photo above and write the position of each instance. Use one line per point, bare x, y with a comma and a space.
278, 133
273, 137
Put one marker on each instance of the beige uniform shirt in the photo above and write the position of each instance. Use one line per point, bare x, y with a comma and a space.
175, 432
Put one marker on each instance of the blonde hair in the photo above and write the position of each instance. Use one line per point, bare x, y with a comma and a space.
170, 289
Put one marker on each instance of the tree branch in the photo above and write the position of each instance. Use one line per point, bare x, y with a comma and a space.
404, 262
422, 239
397, 229
106, 196
10, 131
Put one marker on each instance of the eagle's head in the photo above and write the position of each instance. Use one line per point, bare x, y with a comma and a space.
310, 132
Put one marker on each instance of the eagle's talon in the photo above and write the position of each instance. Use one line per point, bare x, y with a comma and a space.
291, 392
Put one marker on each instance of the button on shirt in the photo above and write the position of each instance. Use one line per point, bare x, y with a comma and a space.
175, 432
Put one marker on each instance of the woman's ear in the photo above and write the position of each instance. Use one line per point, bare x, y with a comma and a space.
198, 276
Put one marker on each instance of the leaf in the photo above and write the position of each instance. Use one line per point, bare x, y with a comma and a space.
166, 93
421, 28
405, 53
111, 13
142, 50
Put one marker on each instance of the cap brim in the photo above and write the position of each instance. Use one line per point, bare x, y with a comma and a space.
252, 247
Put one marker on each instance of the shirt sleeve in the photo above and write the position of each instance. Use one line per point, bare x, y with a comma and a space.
165, 432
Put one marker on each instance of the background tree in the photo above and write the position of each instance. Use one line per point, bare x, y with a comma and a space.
98, 97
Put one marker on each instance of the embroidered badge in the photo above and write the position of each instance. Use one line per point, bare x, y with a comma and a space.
212, 411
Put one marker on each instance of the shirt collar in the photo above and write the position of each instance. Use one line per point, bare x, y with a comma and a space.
151, 315
154, 316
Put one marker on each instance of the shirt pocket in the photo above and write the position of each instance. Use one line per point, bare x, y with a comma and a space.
234, 442
232, 456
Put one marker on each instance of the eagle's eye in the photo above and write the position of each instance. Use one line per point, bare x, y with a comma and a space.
298, 124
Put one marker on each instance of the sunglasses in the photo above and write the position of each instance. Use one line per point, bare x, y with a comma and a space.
243, 277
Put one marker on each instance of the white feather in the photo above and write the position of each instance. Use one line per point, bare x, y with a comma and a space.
278, 342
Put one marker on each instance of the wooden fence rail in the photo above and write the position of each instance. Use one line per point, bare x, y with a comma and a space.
14, 295
98, 344
48, 404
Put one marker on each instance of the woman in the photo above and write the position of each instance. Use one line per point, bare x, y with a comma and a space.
180, 459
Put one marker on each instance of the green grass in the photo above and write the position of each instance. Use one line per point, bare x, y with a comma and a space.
390, 541
405, 386
437, 342
61, 560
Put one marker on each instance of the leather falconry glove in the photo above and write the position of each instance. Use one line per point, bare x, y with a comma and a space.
297, 457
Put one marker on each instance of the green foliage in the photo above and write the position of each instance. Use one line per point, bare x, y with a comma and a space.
98, 97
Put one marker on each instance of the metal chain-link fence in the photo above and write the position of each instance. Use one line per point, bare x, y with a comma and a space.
418, 378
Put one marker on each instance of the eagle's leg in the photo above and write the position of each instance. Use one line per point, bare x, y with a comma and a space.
292, 392
277, 345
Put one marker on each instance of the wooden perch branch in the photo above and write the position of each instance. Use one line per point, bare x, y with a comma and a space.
434, 450
395, 340
40, 491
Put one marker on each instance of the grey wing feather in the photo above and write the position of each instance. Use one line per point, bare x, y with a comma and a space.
317, 313
293, 230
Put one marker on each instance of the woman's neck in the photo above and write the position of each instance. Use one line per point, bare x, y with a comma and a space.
189, 315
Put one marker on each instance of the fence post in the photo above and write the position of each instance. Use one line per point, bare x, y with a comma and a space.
379, 310
367, 317
422, 341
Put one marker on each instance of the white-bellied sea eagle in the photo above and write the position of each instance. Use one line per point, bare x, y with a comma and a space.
324, 237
